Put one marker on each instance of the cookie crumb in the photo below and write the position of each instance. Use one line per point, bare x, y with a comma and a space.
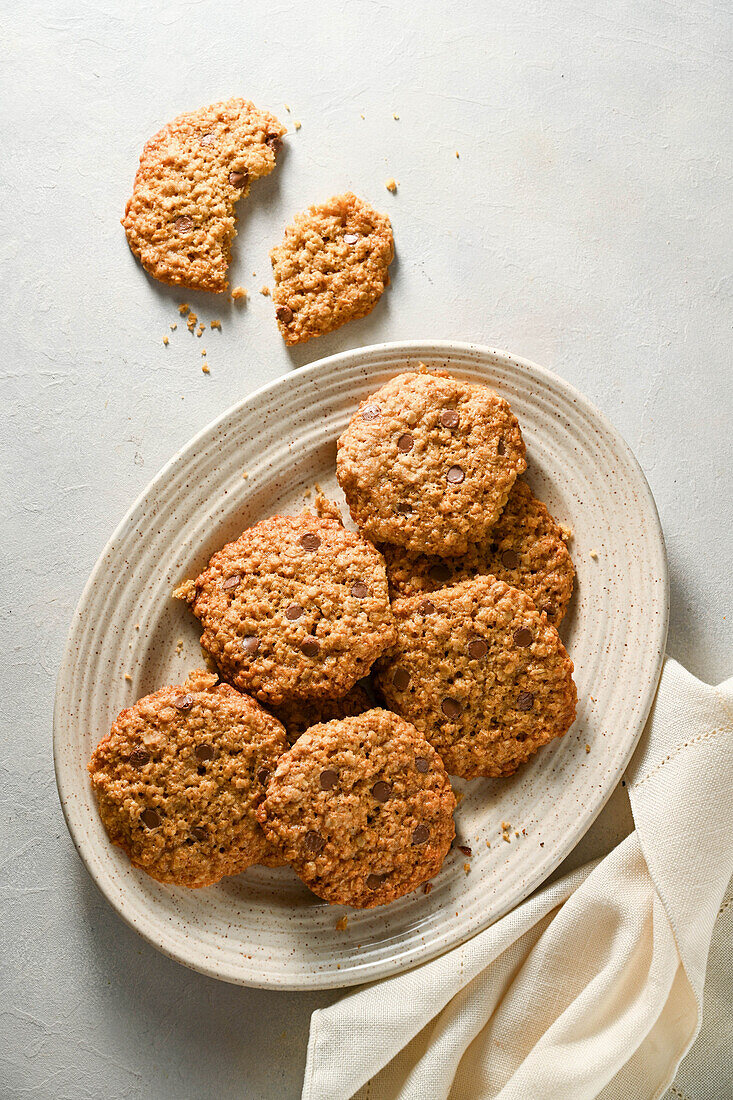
467, 867
567, 532
174, 327
245, 475
137, 626
265, 291
128, 677
391, 184
542, 844
594, 555
287, 107
516, 833
587, 748
205, 368
165, 341
457, 156
215, 324
428, 885
467, 851
191, 322
395, 117
200, 330
239, 294
361, 116
296, 125
506, 837
341, 923
488, 843
203, 353
506, 825
183, 308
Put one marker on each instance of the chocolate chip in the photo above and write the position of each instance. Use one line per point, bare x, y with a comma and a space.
183, 702
421, 835
232, 582
359, 590
500, 447
313, 842
293, 612
204, 752
351, 238
525, 700
449, 418
510, 559
284, 314
523, 637
208, 139
328, 779
550, 613
310, 646
273, 140
150, 818
405, 443
401, 679
422, 764
184, 224
371, 412
381, 791
238, 179
465, 849
439, 573
199, 833
374, 881
309, 541
262, 776
404, 509
427, 607
477, 648
455, 475
139, 757
451, 708
250, 644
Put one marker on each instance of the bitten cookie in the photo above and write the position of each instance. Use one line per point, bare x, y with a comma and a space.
298, 716
180, 219
481, 673
331, 267
179, 778
525, 548
297, 608
427, 462
361, 808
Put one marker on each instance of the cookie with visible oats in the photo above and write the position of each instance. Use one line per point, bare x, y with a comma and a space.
361, 808
179, 777
525, 548
481, 674
298, 716
181, 216
331, 267
428, 461
296, 608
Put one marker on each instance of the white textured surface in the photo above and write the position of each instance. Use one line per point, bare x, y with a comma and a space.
584, 226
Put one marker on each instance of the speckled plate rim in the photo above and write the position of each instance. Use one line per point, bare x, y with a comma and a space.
401, 960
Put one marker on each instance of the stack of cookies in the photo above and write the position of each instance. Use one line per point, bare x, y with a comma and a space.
356, 670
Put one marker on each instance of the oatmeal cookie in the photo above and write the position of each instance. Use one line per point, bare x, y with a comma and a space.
362, 809
180, 219
331, 267
428, 461
298, 716
481, 674
525, 548
296, 608
179, 777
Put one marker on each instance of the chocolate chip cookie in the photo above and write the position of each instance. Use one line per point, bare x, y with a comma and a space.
181, 216
331, 267
525, 548
297, 608
179, 778
482, 675
428, 461
298, 716
361, 808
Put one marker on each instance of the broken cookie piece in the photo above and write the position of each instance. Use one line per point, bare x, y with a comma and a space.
331, 267
181, 216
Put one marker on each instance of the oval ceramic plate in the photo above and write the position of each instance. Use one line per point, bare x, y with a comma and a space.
265, 455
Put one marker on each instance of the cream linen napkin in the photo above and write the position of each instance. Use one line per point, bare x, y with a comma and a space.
592, 987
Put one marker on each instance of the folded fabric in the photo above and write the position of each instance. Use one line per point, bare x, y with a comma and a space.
590, 988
